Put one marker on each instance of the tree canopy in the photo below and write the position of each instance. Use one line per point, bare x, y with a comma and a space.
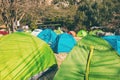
70, 13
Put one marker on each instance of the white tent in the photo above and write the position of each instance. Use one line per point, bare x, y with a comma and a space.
36, 32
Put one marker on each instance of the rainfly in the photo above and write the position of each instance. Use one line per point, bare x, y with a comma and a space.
23, 56
91, 59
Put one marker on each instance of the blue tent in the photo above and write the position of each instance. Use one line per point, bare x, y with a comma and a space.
63, 43
48, 36
114, 42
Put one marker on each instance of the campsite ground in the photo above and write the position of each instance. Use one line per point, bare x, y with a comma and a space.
60, 58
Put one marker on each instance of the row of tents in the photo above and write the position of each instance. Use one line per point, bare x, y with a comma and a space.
80, 33
23, 57
63, 42
59, 42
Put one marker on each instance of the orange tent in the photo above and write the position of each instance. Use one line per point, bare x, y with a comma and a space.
73, 33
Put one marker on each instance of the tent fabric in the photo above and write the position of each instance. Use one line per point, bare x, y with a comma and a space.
3, 32
96, 32
73, 33
63, 43
48, 75
23, 56
114, 42
99, 62
36, 32
81, 33
48, 36
58, 31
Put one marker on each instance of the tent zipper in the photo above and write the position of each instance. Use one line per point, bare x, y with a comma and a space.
88, 62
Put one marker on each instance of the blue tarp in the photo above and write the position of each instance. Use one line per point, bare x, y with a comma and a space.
114, 42
63, 43
48, 36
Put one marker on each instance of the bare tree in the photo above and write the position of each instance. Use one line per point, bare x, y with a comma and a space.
12, 11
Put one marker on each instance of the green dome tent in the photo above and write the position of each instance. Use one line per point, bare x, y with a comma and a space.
58, 31
81, 33
95, 32
22, 56
91, 59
